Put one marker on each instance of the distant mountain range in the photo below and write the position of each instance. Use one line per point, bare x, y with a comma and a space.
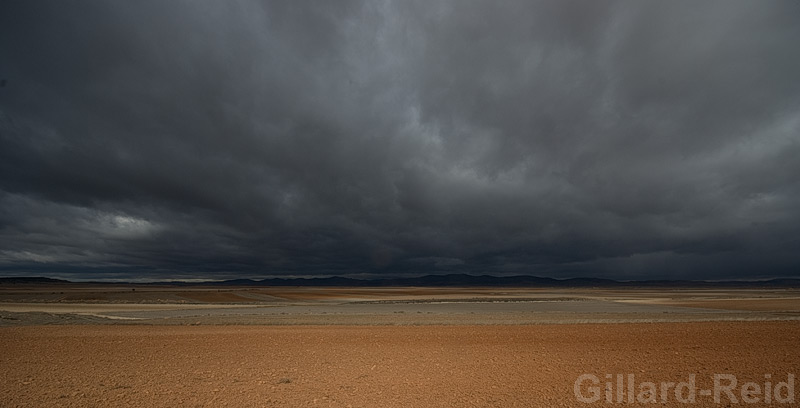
455, 280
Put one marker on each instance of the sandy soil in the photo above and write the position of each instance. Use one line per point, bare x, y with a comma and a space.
378, 347
373, 366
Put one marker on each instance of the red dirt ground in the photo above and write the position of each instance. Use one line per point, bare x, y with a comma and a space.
373, 366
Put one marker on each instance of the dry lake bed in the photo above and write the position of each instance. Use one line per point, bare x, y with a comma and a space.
102, 345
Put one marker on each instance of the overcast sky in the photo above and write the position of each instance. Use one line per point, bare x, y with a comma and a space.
151, 140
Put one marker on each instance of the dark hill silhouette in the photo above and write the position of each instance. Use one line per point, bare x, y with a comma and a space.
455, 280
22, 280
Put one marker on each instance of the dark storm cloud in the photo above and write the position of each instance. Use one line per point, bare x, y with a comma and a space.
175, 140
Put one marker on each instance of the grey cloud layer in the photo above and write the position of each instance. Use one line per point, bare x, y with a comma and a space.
218, 139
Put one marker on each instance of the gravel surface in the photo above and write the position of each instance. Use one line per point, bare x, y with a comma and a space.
374, 366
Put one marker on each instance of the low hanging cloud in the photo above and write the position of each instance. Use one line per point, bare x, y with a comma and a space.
181, 140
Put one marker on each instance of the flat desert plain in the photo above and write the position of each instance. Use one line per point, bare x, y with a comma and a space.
102, 345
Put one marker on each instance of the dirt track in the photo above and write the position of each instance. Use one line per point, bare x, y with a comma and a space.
381, 366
